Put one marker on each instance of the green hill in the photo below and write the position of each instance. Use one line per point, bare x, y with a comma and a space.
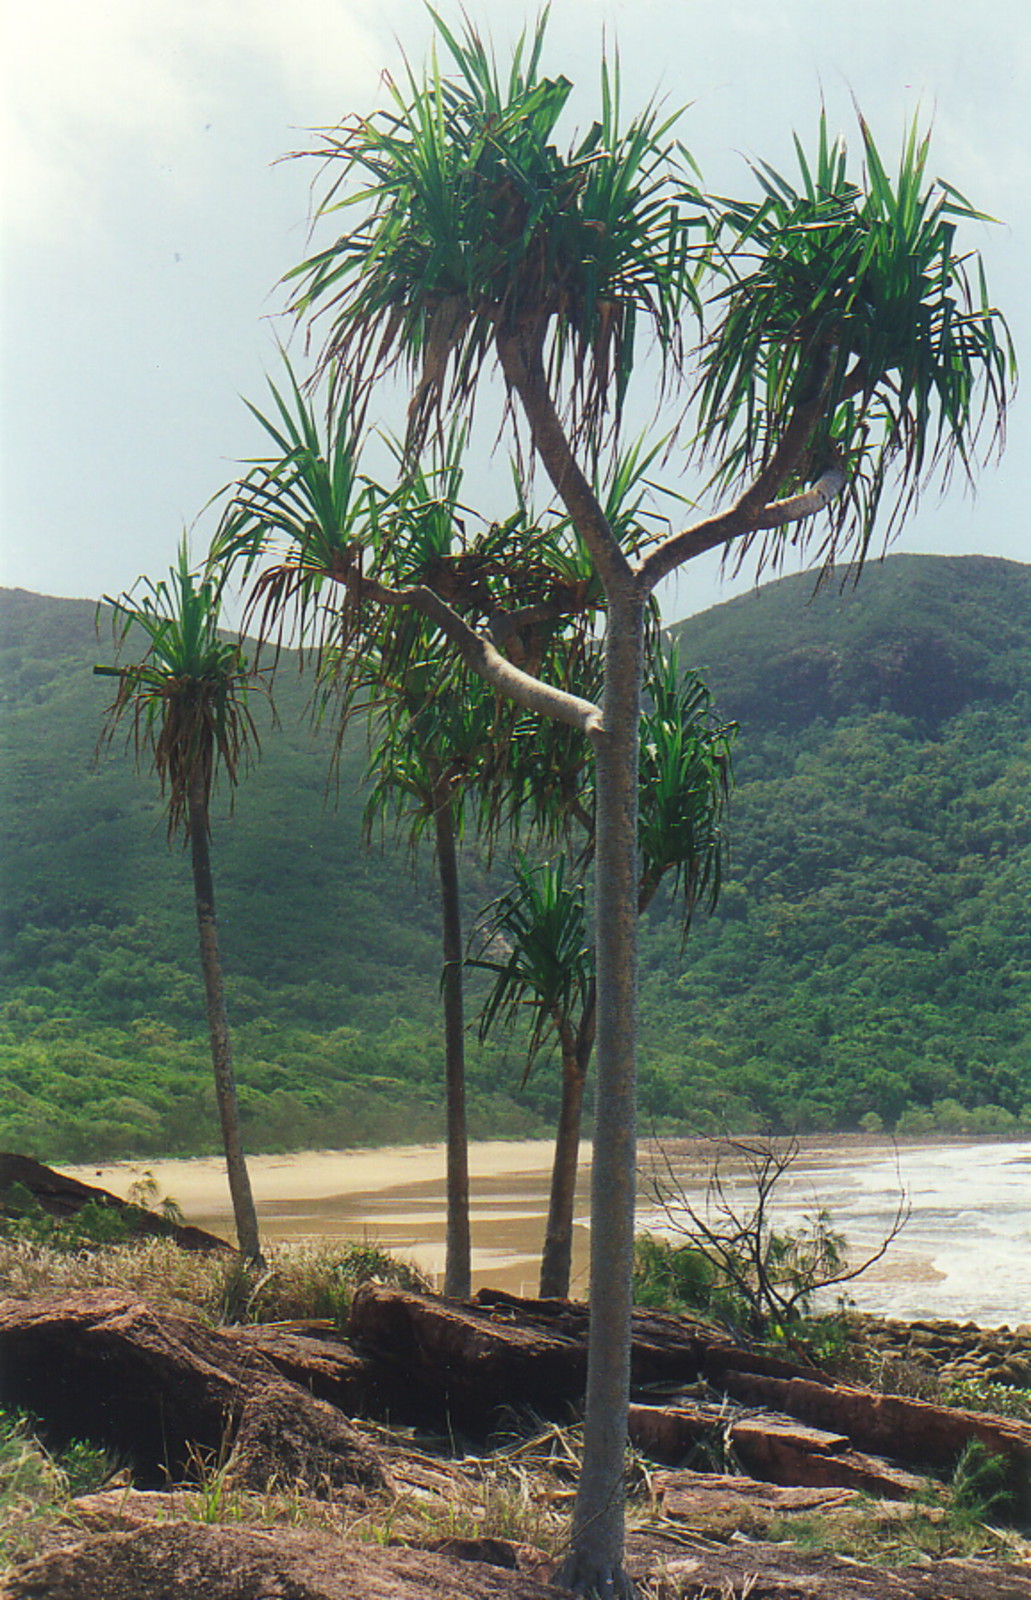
871, 956
872, 953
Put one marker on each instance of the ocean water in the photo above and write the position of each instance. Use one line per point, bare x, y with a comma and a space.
964, 1252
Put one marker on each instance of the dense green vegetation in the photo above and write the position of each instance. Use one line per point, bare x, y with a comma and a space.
870, 961
871, 957
331, 955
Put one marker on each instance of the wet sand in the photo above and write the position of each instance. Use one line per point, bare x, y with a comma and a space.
965, 1252
393, 1197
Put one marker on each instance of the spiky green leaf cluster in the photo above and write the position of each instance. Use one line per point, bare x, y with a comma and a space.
186, 699
847, 295
434, 731
463, 217
535, 943
685, 771
300, 517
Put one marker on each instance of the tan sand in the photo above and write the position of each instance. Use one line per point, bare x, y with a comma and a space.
392, 1196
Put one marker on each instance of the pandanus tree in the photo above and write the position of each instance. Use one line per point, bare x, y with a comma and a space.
534, 937
439, 736
848, 353
430, 748
185, 702
535, 940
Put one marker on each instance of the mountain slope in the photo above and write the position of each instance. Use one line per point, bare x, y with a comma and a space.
871, 956
922, 636
873, 949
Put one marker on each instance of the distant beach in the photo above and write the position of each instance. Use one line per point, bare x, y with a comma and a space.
965, 1253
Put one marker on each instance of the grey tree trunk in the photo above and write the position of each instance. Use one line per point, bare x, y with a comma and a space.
457, 1262
557, 1255
595, 1563
244, 1213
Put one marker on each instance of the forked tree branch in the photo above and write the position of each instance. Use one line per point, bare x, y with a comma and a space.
481, 655
758, 508
523, 367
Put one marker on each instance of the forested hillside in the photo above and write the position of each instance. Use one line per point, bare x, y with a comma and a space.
870, 958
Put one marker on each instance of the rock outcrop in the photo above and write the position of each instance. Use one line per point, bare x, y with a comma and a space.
64, 1197
190, 1561
167, 1391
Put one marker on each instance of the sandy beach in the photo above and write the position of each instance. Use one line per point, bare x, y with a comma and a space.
199, 1181
392, 1196
965, 1252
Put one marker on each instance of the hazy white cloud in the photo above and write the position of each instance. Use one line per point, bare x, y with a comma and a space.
146, 224
88, 85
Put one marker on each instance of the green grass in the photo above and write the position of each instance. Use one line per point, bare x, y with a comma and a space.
36, 1487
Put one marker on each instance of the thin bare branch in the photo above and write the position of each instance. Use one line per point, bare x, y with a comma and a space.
482, 656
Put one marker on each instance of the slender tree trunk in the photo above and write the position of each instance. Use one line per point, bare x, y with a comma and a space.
557, 1255
595, 1564
457, 1262
218, 1027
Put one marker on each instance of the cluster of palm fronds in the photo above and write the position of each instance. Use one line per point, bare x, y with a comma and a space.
186, 698
845, 294
468, 218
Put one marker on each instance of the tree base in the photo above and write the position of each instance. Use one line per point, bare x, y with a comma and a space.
594, 1576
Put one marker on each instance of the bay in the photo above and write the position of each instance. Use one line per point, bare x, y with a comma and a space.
965, 1252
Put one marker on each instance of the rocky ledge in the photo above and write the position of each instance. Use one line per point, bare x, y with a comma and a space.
951, 1352
285, 1411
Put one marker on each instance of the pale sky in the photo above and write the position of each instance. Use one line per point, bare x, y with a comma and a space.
146, 222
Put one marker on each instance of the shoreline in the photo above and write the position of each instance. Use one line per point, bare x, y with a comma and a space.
487, 1157
962, 1255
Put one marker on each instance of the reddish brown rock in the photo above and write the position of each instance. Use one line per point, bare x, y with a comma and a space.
731, 1501
753, 1570
164, 1389
465, 1359
773, 1448
318, 1356
912, 1431
190, 1561
64, 1197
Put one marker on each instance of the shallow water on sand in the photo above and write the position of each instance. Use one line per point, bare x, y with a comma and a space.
965, 1252
394, 1197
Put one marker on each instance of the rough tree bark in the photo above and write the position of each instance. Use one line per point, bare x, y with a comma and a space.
244, 1213
457, 1264
595, 1563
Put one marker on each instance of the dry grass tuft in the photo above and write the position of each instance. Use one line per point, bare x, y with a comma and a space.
300, 1281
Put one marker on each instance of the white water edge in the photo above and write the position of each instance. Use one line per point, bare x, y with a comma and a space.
964, 1254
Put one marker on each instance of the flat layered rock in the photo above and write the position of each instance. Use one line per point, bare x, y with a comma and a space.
907, 1430
466, 1359
723, 1499
162, 1388
762, 1571
773, 1448
190, 1561
318, 1357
